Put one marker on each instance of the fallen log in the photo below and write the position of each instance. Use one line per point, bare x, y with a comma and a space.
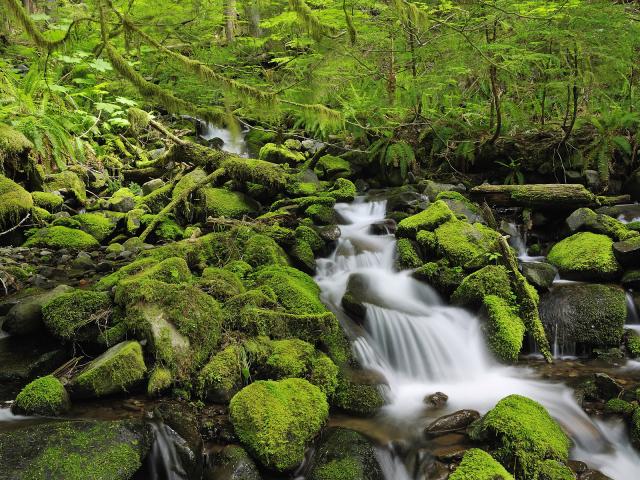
554, 196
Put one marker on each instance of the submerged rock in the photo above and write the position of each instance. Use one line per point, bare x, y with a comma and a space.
343, 454
74, 450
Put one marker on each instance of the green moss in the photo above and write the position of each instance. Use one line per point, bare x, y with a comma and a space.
479, 465
220, 283
343, 190
267, 174
524, 435
303, 203
95, 224
168, 229
342, 469
221, 377
599, 223
12, 143
239, 267
156, 200
440, 275
633, 344
262, 250
505, 329
330, 167
635, 428
117, 370
554, 470
66, 181
43, 396
280, 154
46, 200
357, 398
110, 281
619, 406
130, 285
489, 280
255, 138
320, 214
467, 245
67, 314
219, 202
40, 215
302, 253
429, 219
300, 189
290, 358
585, 255
428, 241
15, 202
294, 290
62, 237
276, 420
310, 236
408, 257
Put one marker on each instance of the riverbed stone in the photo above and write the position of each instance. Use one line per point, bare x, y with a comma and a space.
117, 370
25, 318
450, 423
590, 314
231, 463
627, 252
585, 219
539, 274
74, 450
24, 358
344, 454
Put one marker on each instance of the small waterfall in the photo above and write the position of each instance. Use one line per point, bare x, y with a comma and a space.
164, 461
422, 346
232, 142
632, 311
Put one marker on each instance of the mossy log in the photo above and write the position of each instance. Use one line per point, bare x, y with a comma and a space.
557, 196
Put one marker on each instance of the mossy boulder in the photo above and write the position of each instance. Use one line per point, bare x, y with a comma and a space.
343, 190
15, 203
343, 454
68, 183
13, 145
220, 202
25, 317
429, 219
119, 369
522, 433
275, 420
43, 396
280, 154
62, 237
467, 245
320, 214
585, 256
222, 377
49, 201
555, 470
440, 275
489, 280
77, 314
261, 250
159, 381
96, 224
407, 255
585, 219
589, 314
479, 465
123, 200
75, 450
461, 206
504, 328
358, 392
220, 283
330, 167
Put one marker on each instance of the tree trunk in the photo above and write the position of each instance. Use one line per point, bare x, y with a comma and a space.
28, 6
230, 20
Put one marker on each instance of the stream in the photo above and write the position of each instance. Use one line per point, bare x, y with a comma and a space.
423, 346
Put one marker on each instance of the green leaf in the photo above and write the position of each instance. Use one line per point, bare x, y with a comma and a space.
100, 65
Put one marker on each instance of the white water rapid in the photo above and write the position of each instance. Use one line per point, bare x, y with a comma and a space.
422, 346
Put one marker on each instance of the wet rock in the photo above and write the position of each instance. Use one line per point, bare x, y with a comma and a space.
404, 199
577, 466
75, 450
231, 463
606, 386
83, 262
354, 308
383, 227
594, 475
627, 213
25, 318
539, 274
341, 447
627, 252
152, 186
432, 189
215, 425
449, 423
436, 400
588, 314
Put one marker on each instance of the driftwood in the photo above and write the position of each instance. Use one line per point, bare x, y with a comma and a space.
553, 196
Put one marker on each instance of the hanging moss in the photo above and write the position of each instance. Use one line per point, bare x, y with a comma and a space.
276, 420
15, 202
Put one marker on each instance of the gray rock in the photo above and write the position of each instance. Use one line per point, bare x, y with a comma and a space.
627, 212
432, 189
383, 227
436, 400
627, 252
606, 386
231, 463
25, 318
329, 233
449, 423
592, 179
539, 274
152, 186
23, 358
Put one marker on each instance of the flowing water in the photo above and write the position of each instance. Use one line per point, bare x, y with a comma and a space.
232, 142
422, 346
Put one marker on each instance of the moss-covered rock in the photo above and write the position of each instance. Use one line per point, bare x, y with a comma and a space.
117, 370
342, 190
295, 291
303, 257
585, 256
523, 434
13, 144
467, 245
222, 377
407, 256
440, 275
156, 200
220, 283
310, 236
123, 200
15, 202
49, 201
554, 470
585, 219
77, 315
276, 420
97, 225
280, 154
320, 214
635, 428
330, 167
489, 280
633, 343
220, 202
619, 406
358, 393
44, 396
159, 381
261, 250
67, 183
505, 329
345, 455
75, 450
25, 318
62, 237
479, 465
429, 219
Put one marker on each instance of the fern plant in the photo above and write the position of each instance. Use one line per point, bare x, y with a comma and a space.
394, 158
